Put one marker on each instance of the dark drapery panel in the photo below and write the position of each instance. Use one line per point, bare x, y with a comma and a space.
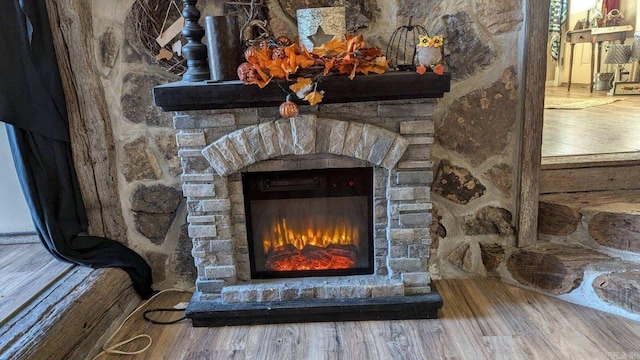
33, 106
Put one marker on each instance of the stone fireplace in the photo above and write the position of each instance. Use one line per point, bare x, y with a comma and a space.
235, 159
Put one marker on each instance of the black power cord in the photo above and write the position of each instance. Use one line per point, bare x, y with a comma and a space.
144, 315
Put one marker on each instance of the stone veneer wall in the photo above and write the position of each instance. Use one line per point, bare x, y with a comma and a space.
475, 145
393, 137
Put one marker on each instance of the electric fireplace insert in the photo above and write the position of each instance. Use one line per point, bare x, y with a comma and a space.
309, 222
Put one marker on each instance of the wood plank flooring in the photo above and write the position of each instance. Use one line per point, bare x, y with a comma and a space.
481, 319
611, 128
25, 270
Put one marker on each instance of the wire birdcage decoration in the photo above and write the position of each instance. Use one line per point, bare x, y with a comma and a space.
401, 50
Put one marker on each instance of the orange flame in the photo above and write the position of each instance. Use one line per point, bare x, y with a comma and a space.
282, 234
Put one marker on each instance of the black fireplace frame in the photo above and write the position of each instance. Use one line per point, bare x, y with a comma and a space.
301, 184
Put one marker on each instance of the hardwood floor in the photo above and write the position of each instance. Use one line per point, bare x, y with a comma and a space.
611, 128
25, 270
481, 319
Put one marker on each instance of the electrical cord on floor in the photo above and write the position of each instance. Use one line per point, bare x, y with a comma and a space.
113, 350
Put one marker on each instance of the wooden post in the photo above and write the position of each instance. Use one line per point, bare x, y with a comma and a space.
194, 51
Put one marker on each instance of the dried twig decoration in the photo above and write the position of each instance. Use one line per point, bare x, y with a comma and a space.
146, 20
254, 20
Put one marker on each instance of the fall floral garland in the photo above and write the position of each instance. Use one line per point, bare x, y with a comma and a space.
281, 59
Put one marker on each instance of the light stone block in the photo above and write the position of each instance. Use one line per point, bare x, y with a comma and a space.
406, 236
221, 245
323, 135
203, 122
415, 220
190, 153
417, 207
209, 286
421, 251
417, 290
420, 140
415, 164
303, 130
225, 147
414, 177
252, 133
387, 290
352, 139
417, 127
197, 177
398, 148
369, 136
405, 265
344, 292
202, 219
405, 110
216, 205
202, 231
416, 279
401, 194
216, 160
241, 145
191, 139
220, 272
198, 190
285, 137
337, 137
381, 147
269, 136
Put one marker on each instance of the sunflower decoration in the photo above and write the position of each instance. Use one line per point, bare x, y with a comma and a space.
429, 54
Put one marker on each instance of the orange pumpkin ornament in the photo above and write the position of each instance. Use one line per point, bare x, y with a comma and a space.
289, 109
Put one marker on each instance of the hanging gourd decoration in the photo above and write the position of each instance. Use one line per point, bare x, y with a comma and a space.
289, 109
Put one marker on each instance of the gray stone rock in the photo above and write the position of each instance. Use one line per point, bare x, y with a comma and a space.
369, 136
153, 226
464, 128
109, 48
285, 137
499, 16
492, 255
462, 257
166, 145
303, 129
158, 263
381, 147
156, 199
184, 263
490, 220
502, 176
139, 163
255, 142
456, 184
269, 137
467, 51
137, 99
396, 151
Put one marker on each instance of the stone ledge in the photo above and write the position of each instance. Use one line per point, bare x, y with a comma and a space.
338, 287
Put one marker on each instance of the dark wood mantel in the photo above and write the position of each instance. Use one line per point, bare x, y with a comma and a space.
204, 95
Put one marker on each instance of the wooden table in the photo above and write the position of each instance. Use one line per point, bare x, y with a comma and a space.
595, 36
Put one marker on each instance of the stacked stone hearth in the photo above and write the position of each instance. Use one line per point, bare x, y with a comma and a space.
393, 137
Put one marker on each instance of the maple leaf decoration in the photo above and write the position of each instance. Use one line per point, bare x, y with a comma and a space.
350, 56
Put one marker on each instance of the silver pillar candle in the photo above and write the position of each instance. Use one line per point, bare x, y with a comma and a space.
223, 45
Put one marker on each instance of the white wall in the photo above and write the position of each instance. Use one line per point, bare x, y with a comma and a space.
14, 213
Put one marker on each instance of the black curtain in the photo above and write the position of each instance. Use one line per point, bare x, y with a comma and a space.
33, 106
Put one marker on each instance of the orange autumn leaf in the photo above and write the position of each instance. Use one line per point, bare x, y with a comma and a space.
333, 47
380, 65
438, 69
421, 69
302, 87
353, 72
314, 97
276, 70
328, 65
